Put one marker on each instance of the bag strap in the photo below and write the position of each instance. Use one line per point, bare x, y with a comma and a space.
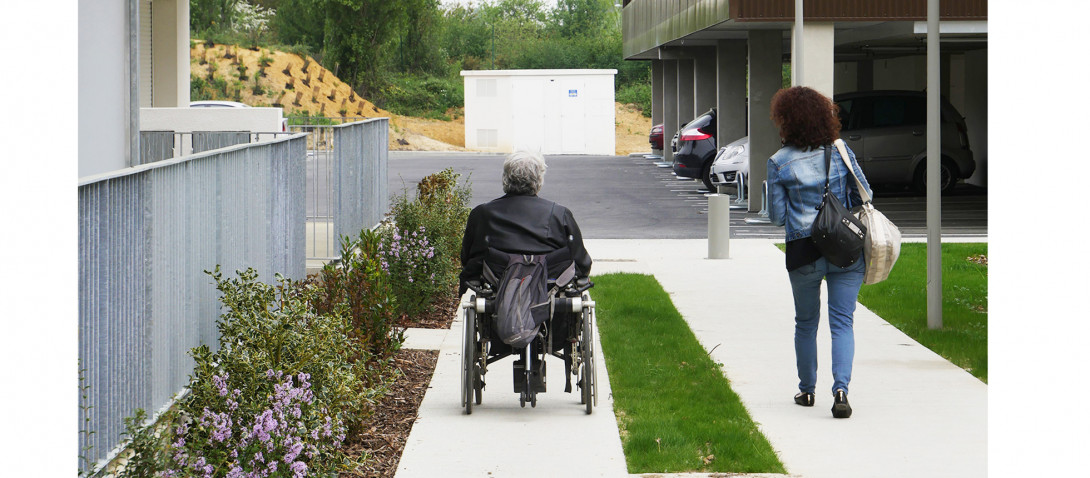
828, 169
859, 184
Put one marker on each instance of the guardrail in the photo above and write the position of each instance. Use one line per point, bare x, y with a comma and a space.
146, 234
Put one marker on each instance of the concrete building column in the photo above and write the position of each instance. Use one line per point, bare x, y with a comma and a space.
656, 92
170, 53
765, 78
704, 80
817, 59
686, 98
730, 90
669, 107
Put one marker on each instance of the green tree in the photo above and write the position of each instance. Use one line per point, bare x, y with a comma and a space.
418, 43
357, 35
211, 15
573, 18
301, 22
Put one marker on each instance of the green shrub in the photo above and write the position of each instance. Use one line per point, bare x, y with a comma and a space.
638, 94
418, 272
358, 287
422, 96
281, 392
438, 215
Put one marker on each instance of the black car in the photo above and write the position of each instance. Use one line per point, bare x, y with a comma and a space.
694, 149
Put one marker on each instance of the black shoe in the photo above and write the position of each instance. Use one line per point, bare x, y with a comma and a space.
805, 399
841, 409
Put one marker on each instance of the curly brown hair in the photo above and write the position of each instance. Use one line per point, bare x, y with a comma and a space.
807, 119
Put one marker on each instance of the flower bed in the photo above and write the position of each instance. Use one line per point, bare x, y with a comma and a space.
302, 367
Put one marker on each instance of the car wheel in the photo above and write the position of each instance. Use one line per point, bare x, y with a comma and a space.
706, 175
947, 176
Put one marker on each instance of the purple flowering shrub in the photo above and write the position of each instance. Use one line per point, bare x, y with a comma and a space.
276, 427
282, 391
417, 271
438, 213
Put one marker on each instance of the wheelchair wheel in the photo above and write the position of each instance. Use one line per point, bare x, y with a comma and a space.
589, 395
469, 361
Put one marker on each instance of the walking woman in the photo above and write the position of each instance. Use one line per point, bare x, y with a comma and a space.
808, 124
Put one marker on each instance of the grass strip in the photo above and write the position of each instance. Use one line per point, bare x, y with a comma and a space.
675, 409
902, 301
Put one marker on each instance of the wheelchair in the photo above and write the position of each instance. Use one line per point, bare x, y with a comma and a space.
568, 334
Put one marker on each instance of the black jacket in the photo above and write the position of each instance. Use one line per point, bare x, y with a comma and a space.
519, 224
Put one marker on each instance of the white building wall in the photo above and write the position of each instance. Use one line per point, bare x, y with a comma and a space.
255, 120
103, 79
550, 111
904, 73
845, 77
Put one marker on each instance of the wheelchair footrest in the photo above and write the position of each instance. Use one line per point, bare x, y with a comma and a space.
537, 377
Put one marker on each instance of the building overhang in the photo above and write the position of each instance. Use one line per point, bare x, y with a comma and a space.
871, 29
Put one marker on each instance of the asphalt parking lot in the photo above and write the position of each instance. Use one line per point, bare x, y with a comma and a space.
623, 197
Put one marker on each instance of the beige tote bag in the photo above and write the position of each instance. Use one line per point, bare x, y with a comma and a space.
882, 245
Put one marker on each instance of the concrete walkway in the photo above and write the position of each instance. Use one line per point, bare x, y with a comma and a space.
915, 414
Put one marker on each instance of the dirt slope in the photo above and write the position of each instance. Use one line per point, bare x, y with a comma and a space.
301, 85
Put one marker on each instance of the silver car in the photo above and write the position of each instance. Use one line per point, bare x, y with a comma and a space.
730, 161
887, 132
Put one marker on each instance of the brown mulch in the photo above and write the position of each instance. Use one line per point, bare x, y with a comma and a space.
438, 318
385, 433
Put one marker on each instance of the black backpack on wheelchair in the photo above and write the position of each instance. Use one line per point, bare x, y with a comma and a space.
523, 298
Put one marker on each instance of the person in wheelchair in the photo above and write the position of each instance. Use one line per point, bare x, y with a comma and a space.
521, 222
506, 233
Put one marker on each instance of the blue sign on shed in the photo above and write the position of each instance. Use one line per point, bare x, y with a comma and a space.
573, 93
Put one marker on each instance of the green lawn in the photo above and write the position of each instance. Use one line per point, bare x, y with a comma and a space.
674, 407
902, 301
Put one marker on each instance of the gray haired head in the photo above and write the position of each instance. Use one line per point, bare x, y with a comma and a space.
523, 173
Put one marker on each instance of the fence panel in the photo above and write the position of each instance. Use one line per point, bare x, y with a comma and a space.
146, 236
346, 182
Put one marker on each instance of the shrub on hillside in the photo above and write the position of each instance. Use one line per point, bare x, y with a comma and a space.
638, 94
422, 96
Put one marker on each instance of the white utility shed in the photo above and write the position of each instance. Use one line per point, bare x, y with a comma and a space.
551, 111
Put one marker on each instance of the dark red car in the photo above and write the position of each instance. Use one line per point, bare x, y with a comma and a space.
656, 137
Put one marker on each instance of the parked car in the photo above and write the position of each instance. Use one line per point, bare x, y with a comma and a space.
231, 104
886, 131
732, 160
694, 148
655, 138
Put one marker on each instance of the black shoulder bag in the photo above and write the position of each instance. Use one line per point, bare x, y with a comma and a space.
836, 232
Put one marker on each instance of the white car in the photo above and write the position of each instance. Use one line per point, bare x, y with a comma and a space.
231, 104
732, 159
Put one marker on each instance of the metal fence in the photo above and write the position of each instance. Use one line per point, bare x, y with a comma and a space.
160, 145
146, 234
346, 182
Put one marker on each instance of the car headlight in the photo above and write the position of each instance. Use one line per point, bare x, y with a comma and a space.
732, 154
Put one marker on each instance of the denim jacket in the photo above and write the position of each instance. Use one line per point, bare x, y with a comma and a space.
796, 182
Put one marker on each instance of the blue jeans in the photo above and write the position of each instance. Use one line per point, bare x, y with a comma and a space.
843, 287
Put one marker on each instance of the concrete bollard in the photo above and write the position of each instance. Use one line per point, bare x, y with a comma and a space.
718, 226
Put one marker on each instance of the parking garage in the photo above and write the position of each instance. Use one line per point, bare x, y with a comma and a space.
734, 55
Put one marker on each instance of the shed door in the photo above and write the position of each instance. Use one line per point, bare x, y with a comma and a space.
573, 116
528, 114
